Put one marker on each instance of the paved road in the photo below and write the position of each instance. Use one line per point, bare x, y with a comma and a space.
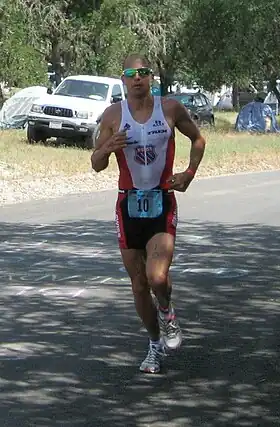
70, 342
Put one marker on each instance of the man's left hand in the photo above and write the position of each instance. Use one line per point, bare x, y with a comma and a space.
180, 181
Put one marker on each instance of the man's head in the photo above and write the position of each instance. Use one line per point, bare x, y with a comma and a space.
137, 75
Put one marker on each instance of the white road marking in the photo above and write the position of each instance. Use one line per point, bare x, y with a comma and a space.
76, 294
178, 256
44, 262
126, 280
222, 272
69, 278
27, 288
92, 280
106, 280
97, 253
39, 279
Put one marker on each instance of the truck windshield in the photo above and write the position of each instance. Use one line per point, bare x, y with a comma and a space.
83, 89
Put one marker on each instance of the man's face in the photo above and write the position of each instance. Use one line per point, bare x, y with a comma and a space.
137, 78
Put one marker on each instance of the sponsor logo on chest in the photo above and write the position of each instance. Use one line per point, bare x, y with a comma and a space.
145, 155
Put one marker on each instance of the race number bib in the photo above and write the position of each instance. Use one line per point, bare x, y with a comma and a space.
144, 203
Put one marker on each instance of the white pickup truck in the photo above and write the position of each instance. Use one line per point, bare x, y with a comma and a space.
73, 109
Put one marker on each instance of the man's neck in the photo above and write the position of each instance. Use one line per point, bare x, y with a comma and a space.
140, 103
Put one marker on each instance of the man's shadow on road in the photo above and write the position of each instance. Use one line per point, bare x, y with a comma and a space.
74, 361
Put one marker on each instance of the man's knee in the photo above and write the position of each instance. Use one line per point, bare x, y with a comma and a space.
140, 285
157, 279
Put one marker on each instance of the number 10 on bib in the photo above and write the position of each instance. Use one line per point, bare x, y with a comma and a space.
145, 204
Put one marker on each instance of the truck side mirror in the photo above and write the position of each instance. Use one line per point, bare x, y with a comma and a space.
116, 98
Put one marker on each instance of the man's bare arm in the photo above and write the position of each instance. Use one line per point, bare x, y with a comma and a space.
100, 157
108, 141
187, 127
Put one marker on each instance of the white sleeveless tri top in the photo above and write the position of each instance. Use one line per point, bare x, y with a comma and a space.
147, 161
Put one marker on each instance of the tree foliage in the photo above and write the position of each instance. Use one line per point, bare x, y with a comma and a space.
20, 63
233, 42
213, 42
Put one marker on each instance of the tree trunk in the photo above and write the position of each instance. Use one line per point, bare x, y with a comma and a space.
165, 79
67, 59
235, 97
55, 60
2, 100
163, 84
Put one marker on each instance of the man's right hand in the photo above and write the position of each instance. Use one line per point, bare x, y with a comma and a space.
115, 143
108, 141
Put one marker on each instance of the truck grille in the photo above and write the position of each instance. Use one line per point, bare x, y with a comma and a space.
58, 111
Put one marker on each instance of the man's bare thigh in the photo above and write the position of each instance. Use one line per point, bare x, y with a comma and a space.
160, 250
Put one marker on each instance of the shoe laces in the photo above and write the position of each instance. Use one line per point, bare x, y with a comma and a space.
154, 352
170, 324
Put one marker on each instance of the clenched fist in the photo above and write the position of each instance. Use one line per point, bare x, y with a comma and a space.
180, 181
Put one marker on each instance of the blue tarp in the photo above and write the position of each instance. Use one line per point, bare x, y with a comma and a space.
256, 117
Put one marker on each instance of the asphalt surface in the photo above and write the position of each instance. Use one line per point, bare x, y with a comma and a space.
71, 343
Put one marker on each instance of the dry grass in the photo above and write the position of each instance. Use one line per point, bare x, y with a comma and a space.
227, 152
41, 160
230, 152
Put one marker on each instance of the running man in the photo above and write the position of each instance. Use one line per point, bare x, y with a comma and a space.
141, 133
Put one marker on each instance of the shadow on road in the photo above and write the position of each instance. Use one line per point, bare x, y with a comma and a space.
71, 342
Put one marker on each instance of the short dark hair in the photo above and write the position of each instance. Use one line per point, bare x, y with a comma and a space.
136, 57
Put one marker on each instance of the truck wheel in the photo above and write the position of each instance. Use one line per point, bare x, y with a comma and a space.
87, 142
34, 136
212, 121
95, 134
